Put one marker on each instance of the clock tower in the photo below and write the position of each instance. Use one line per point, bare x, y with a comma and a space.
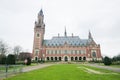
39, 31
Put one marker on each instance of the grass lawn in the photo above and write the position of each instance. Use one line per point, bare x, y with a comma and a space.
66, 72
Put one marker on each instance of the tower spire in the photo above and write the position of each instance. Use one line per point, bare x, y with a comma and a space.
41, 12
65, 34
90, 36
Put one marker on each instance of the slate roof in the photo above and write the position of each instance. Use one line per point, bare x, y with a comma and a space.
70, 40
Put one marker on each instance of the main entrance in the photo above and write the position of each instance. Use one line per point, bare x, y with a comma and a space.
66, 58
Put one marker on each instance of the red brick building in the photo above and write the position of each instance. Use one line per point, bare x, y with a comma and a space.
62, 48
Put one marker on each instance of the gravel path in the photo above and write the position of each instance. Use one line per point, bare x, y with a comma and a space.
105, 67
30, 68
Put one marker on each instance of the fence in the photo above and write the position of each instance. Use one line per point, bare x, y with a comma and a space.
7, 70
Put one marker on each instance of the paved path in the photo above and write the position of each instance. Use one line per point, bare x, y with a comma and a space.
30, 68
105, 67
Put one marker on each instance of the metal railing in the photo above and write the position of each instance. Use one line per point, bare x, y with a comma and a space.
8, 70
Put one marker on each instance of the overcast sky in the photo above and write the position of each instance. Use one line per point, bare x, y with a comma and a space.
101, 17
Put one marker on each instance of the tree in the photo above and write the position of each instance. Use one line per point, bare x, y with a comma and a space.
28, 61
3, 51
107, 61
3, 48
10, 59
17, 50
116, 58
2, 59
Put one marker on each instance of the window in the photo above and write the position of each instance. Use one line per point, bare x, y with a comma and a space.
51, 51
47, 51
59, 51
59, 58
71, 51
94, 54
79, 51
84, 58
55, 58
55, 51
72, 58
36, 51
47, 58
65, 51
75, 51
51, 58
83, 52
80, 58
38, 35
76, 58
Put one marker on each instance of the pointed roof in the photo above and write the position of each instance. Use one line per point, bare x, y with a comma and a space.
65, 34
90, 36
41, 12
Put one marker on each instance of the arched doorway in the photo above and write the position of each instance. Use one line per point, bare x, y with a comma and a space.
36, 58
66, 58
72, 58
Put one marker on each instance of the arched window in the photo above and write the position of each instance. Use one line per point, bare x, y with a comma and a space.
84, 58
76, 58
94, 54
47, 58
80, 58
72, 58
55, 58
51, 58
59, 58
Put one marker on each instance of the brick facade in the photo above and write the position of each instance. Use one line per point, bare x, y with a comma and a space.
63, 48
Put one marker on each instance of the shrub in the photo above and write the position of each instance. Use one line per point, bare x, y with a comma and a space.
10, 59
28, 61
107, 61
3, 60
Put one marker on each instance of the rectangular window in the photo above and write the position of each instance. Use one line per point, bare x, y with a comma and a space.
71, 51
47, 51
36, 51
79, 51
59, 51
53, 51
75, 51
65, 51
83, 52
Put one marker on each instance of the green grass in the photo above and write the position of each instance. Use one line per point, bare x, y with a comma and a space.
65, 72
117, 66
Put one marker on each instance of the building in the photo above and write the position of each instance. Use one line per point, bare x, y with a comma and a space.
63, 48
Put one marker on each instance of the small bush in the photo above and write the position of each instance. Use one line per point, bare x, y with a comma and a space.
28, 61
10, 59
3, 60
107, 61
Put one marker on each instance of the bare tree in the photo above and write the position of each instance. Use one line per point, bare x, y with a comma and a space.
3, 48
17, 50
3, 52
